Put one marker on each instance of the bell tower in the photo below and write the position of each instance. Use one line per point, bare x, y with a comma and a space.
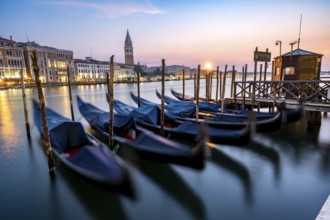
129, 58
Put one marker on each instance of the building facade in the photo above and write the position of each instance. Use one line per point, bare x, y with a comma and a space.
178, 70
90, 70
128, 50
94, 71
53, 63
11, 62
126, 74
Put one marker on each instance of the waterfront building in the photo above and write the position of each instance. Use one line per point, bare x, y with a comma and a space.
297, 65
11, 62
94, 71
90, 70
126, 74
53, 63
172, 72
128, 49
177, 70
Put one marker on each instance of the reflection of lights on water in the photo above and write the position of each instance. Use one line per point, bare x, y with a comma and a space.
6, 122
324, 137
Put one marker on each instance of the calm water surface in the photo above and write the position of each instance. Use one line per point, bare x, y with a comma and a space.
283, 175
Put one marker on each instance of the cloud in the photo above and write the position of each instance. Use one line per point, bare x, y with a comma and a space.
109, 9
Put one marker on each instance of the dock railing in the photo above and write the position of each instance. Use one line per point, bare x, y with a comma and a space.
316, 91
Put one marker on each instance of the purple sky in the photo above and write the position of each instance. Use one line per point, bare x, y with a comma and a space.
182, 32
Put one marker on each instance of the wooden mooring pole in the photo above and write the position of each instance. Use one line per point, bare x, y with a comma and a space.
197, 91
217, 88
138, 89
260, 77
110, 94
220, 85
195, 85
162, 100
26, 113
223, 90
70, 93
265, 70
206, 85
313, 119
243, 87
183, 84
232, 82
43, 114
210, 84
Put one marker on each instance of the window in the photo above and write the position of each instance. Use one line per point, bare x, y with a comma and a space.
289, 70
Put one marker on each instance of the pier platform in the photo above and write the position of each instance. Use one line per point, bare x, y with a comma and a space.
293, 104
325, 211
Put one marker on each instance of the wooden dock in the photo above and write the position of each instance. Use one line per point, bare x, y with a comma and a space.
313, 94
324, 214
290, 104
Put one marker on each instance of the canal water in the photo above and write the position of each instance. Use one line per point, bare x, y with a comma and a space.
282, 175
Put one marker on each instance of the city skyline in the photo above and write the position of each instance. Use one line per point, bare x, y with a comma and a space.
185, 33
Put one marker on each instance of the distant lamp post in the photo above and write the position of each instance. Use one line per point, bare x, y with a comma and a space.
278, 42
208, 67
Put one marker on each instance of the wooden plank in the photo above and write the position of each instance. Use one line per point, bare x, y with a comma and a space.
290, 104
324, 214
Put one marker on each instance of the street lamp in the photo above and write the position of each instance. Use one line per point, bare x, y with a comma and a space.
279, 42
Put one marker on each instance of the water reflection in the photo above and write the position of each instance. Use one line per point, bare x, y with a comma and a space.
296, 140
169, 181
303, 163
100, 203
237, 168
7, 127
324, 137
261, 148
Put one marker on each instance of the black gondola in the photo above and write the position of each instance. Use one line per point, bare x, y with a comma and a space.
147, 144
262, 125
83, 154
148, 116
291, 115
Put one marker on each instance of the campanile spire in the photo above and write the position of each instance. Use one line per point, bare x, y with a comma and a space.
129, 58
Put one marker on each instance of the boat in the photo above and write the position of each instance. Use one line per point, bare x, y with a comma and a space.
148, 117
83, 154
223, 121
206, 107
289, 115
188, 97
145, 143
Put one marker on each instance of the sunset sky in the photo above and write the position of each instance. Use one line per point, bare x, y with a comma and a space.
182, 32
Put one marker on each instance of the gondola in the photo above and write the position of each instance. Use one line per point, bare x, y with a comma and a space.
290, 115
188, 97
145, 143
83, 154
262, 125
148, 116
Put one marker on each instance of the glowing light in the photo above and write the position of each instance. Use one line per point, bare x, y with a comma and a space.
208, 66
